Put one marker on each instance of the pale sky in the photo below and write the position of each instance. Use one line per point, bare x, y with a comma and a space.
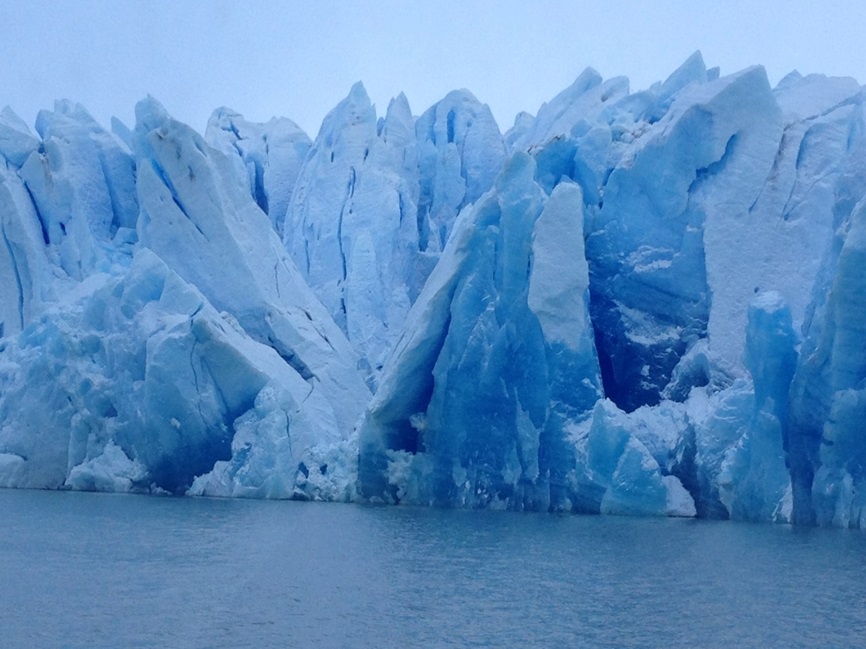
299, 58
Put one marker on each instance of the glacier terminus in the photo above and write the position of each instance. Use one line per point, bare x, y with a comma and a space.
644, 303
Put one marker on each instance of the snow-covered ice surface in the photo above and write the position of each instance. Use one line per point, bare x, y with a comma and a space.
643, 303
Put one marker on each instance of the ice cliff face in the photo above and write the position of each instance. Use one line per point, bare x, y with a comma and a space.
270, 154
632, 303
197, 217
153, 306
374, 205
475, 406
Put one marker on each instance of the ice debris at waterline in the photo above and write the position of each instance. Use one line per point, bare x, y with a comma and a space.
648, 303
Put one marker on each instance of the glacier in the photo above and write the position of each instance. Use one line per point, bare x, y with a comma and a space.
638, 303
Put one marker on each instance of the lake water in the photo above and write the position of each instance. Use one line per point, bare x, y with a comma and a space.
96, 570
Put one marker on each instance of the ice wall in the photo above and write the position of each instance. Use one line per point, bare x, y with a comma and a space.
496, 359
270, 154
826, 411
643, 303
148, 310
374, 205
198, 217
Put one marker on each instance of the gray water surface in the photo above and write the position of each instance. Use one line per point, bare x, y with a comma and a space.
97, 570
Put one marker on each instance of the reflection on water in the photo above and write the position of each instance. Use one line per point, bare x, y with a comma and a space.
96, 570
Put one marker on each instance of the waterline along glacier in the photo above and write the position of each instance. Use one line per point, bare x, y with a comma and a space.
646, 303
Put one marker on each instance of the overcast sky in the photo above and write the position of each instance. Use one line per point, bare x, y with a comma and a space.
299, 58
